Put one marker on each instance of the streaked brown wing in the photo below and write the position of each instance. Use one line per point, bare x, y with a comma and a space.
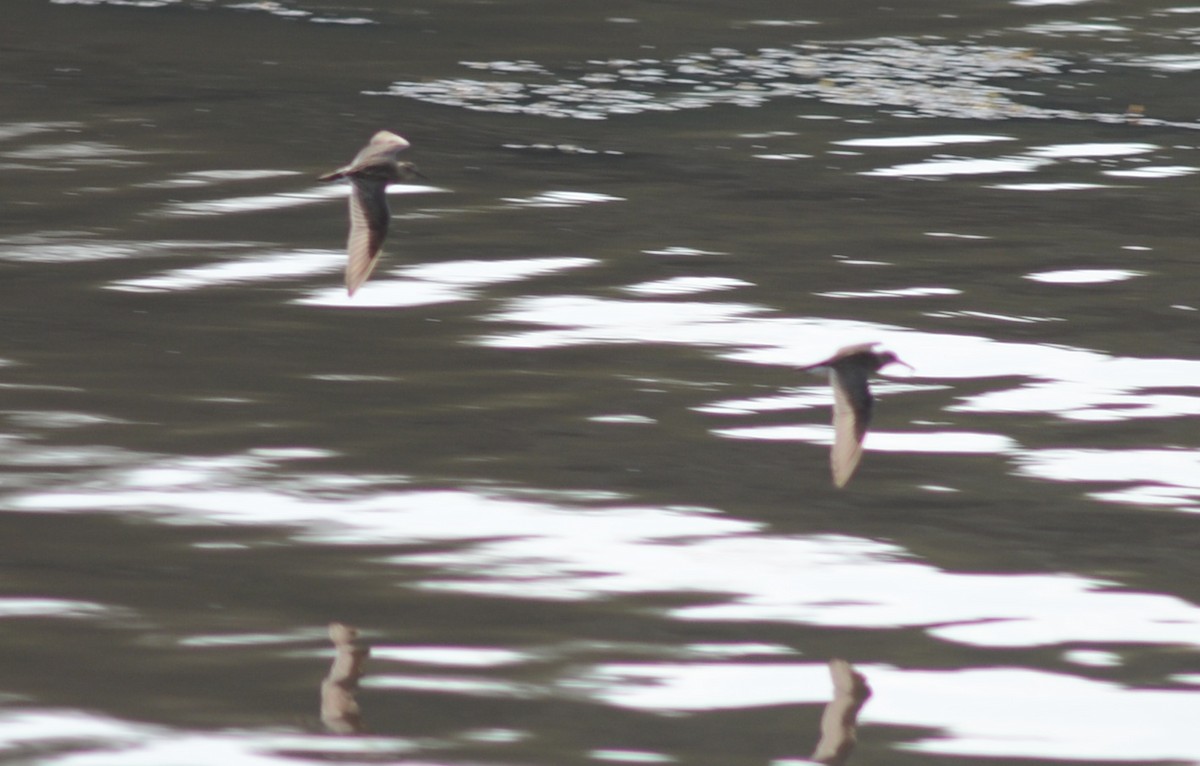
852, 405
369, 216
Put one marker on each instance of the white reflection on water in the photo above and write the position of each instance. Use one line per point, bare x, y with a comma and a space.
208, 177
1032, 159
1093, 658
1167, 62
24, 606
514, 547
261, 202
69, 247
44, 419
952, 235
1083, 276
685, 285
596, 320
251, 639
430, 283
908, 77
271, 7
627, 419
994, 316
956, 442
1049, 187
961, 166
1100, 389
103, 741
11, 130
783, 157
387, 293
562, 199
1071, 383
1059, 28
1058, 151
426, 283
476, 273
77, 153
630, 756
1157, 476
1051, 2
249, 267
918, 141
750, 333
461, 685
258, 203
1154, 171
682, 251
998, 712
458, 656
509, 546
900, 292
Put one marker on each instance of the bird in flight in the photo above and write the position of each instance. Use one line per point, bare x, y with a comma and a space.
370, 172
853, 403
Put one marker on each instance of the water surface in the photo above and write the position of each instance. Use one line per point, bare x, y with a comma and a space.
555, 460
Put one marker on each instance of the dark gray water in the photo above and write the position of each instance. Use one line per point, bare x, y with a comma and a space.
555, 460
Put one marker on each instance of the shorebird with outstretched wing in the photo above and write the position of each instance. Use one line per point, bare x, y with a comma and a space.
853, 404
370, 172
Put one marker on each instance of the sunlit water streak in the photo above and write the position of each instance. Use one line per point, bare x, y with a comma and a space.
247, 268
516, 548
71, 247
282, 10
942, 80
1025, 713
539, 549
910, 78
1103, 155
442, 282
99, 740
276, 201
52, 607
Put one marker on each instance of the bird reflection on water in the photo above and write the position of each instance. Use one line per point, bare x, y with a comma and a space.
839, 722
340, 711
339, 707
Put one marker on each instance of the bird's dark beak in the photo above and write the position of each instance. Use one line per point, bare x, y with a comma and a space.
903, 364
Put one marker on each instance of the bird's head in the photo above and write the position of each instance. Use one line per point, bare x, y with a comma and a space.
884, 358
406, 171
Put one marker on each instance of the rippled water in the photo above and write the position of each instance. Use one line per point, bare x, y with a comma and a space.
556, 461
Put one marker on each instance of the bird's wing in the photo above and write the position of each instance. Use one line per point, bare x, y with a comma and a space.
842, 353
368, 226
381, 149
852, 405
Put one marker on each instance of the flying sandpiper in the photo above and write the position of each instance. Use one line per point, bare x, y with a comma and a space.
848, 370
370, 172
